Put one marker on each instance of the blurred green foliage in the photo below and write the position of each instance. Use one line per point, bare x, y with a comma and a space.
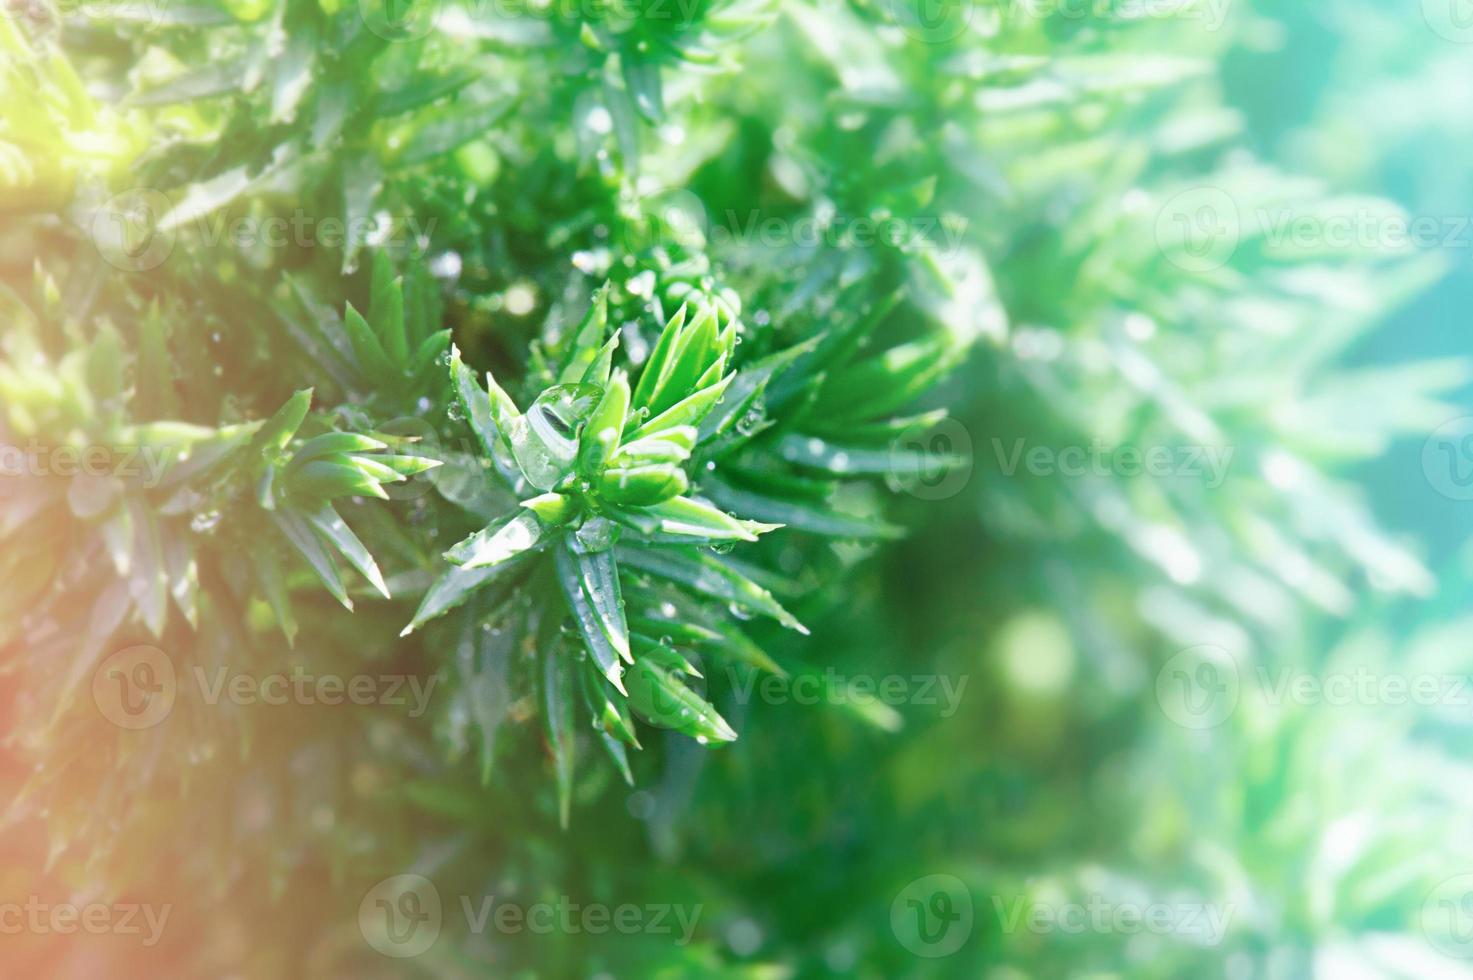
893, 266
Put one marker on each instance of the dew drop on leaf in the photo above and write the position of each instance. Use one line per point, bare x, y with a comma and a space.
205, 522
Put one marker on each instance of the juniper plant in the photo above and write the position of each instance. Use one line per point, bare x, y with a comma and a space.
553, 422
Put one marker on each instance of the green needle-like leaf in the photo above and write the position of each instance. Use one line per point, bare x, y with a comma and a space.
331, 525
708, 576
306, 541
663, 700
372, 359
598, 634
605, 426
498, 542
557, 714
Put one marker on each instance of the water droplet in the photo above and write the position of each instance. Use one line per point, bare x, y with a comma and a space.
545, 440
596, 534
205, 522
